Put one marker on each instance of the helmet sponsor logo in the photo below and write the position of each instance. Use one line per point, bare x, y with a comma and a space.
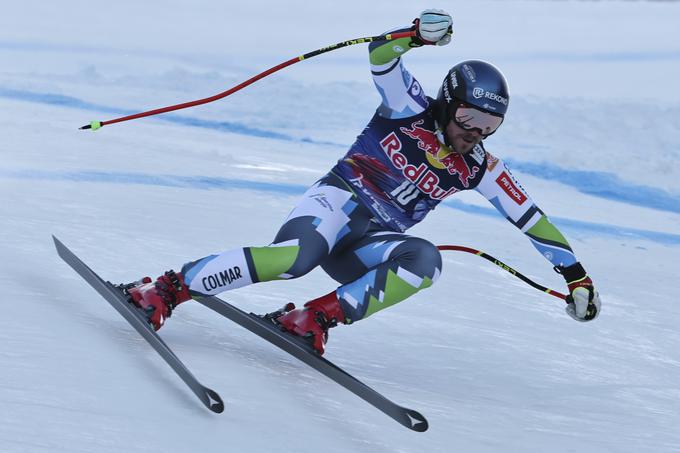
447, 95
398, 49
496, 97
505, 181
454, 79
469, 72
479, 93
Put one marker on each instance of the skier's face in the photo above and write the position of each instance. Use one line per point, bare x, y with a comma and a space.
462, 140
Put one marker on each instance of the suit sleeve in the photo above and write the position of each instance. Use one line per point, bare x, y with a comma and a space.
402, 96
506, 194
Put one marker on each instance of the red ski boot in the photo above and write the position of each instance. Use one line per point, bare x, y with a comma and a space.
313, 321
159, 298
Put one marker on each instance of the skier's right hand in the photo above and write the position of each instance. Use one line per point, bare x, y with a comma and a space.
434, 26
583, 301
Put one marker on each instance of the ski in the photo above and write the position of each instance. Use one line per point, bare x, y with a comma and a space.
115, 297
301, 350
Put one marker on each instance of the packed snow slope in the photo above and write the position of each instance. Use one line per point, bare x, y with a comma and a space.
493, 364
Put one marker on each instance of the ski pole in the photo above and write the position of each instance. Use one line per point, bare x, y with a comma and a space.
94, 125
503, 266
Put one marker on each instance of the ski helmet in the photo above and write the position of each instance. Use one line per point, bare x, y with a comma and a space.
477, 84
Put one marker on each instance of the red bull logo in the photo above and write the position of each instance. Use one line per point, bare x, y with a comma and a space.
424, 178
427, 141
457, 165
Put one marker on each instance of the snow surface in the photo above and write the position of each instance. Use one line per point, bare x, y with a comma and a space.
493, 364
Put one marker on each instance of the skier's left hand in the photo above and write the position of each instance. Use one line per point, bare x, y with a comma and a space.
583, 301
434, 26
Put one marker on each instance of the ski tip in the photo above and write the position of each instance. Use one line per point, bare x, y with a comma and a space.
57, 243
214, 401
416, 421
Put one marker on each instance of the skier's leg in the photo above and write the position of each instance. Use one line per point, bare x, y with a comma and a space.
381, 270
326, 214
377, 271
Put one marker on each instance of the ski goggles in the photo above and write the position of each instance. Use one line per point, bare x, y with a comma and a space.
470, 118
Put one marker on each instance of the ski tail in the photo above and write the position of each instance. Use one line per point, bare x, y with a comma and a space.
113, 296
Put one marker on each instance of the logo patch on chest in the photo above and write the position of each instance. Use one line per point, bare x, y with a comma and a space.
457, 165
439, 156
423, 177
427, 140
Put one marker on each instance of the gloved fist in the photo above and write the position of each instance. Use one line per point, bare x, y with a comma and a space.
434, 26
583, 301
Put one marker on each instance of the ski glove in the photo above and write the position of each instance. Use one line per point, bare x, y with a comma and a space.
583, 301
434, 26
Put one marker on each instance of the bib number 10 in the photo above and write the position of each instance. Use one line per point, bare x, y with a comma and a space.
405, 193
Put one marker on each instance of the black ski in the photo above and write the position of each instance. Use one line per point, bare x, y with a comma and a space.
303, 351
116, 298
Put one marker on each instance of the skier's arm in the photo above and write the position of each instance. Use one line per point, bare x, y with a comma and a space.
401, 93
501, 188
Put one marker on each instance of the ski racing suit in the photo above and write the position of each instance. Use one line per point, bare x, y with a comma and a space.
352, 221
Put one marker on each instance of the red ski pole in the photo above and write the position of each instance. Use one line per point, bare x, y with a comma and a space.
503, 266
94, 125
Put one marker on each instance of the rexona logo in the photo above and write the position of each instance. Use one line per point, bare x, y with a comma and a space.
509, 187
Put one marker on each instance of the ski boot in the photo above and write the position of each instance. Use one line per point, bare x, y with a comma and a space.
312, 321
156, 300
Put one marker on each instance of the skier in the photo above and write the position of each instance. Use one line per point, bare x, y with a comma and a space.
413, 153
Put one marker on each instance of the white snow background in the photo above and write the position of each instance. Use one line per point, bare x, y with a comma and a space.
493, 364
